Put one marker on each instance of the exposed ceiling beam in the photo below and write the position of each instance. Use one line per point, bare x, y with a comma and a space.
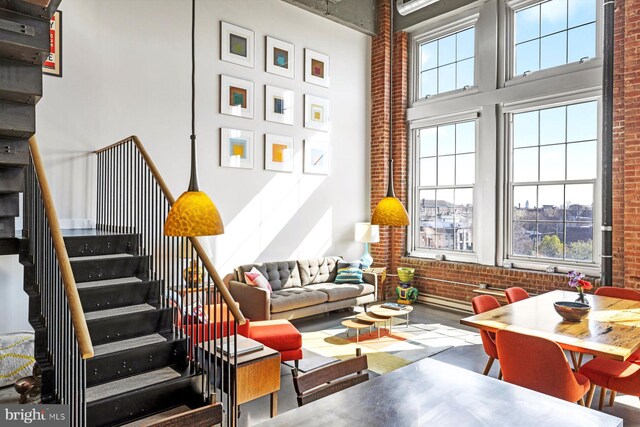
357, 14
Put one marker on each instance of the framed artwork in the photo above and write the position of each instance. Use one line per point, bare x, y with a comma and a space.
53, 64
236, 97
316, 68
237, 44
316, 113
316, 157
278, 105
236, 148
278, 153
280, 58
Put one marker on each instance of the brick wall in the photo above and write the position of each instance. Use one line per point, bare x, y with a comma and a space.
450, 279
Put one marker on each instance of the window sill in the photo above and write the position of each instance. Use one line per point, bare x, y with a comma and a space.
471, 258
589, 269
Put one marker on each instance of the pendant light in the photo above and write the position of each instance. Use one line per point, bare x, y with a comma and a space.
193, 214
390, 211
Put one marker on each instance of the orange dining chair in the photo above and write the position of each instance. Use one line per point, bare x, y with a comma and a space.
515, 294
623, 377
482, 304
547, 372
622, 293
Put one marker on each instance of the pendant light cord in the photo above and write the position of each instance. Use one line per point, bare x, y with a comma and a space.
390, 191
193, 183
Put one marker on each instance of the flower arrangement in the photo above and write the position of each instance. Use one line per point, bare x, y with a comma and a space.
576, 280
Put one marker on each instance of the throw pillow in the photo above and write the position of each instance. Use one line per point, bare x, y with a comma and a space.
349, 272
255, 278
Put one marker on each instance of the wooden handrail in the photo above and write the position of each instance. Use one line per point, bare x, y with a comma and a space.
71, 291
208, 265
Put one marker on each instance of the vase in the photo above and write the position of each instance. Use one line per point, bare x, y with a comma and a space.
581, 298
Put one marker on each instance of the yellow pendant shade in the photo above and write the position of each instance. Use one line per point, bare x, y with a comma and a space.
390, 211
193, 214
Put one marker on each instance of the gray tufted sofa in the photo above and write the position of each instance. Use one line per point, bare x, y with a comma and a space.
300, 288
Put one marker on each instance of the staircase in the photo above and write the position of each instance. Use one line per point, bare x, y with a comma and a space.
24, 45
140, 365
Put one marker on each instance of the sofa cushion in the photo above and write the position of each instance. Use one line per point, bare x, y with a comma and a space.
318, 270
297, 297
337, 292
281, 274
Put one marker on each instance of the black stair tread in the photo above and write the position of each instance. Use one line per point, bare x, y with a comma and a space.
117, 312
100, 257
109, 282
132, 383
158, 417
128, 344
89, 232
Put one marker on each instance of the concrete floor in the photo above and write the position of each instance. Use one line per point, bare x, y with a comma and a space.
470, 357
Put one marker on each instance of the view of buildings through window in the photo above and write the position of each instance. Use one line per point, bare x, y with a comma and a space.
554, 169
447, 174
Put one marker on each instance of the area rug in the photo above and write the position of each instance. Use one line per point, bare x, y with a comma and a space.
311, 360
403, 346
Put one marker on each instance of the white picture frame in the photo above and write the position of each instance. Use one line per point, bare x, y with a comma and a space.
280, 57
316, 68
237, 45
316, 113
316, 157
236, 148
278, 105
236, 97
278, 153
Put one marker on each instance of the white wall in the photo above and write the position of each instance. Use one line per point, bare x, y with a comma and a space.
126, 70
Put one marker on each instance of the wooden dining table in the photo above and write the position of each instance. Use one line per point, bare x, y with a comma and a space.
611, 330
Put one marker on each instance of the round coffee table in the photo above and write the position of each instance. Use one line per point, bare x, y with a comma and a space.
373, 319
390, 313
356, 324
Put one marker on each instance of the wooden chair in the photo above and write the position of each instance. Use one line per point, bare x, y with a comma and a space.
481, 304
515, 294
540, 364
327, 380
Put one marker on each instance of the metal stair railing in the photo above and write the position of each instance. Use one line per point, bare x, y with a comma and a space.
132, 197
68, 340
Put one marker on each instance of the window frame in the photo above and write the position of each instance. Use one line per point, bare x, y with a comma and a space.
510, 78
413, 237
441, 31
540, 263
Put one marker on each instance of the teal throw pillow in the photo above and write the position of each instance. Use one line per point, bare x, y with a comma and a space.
349, 272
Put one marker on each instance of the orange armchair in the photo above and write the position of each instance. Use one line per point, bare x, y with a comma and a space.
482, 304
515, 294
540, 364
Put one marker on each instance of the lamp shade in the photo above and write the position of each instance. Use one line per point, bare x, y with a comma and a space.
367, 233
390, 211
193, 214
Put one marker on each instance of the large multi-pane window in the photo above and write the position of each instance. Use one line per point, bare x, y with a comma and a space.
447, 63
446, 175
554, 169
507, 174
553, 33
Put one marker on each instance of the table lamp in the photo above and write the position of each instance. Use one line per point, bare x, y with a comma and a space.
366, 233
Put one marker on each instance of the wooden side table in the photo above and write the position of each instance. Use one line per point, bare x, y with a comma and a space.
381, 276
257, 373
